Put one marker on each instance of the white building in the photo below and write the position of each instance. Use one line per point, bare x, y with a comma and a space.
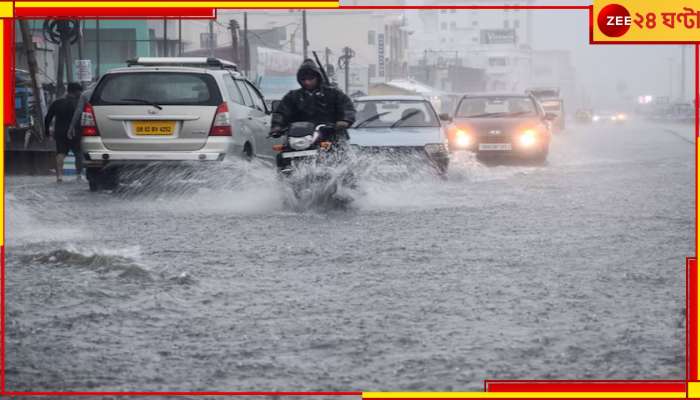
498, 41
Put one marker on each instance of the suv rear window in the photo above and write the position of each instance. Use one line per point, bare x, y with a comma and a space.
163, 88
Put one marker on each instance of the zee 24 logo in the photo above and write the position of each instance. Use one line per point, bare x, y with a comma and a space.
615, 20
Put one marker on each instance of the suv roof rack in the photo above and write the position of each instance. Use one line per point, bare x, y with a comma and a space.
204, 62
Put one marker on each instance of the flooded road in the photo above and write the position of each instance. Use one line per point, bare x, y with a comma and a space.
216, 282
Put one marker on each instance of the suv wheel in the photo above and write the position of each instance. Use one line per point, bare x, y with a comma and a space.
93, 176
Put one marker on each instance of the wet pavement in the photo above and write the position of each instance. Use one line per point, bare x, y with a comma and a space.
222, 281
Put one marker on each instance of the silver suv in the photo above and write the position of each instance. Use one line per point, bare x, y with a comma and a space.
172, 110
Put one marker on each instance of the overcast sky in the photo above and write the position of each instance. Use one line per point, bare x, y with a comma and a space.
643, 68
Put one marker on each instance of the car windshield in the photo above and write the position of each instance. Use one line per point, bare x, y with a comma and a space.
395, 114
492, 106
161, 88
545, 93
551, 105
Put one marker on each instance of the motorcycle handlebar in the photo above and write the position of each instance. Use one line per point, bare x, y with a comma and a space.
320, 128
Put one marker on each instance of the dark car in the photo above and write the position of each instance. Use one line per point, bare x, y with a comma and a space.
501, 125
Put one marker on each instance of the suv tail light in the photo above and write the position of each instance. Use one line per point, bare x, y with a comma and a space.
87, 121
222, 122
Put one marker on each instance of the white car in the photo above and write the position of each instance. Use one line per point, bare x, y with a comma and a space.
169, 110
400, 124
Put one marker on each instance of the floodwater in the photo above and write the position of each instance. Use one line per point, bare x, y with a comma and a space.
222, 281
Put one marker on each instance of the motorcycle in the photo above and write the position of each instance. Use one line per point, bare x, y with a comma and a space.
315, 164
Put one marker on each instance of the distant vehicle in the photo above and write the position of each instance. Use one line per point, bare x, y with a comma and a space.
609, 116
170, 110
584, 116
399, 124
501, 125
552, 103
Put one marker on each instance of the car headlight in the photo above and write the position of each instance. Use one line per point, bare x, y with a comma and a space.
301, 143
596, 118
434, 148
527, 138
621, 116
614, 118
463, 138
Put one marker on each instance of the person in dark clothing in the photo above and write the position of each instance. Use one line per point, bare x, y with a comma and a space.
63, 109
314, 102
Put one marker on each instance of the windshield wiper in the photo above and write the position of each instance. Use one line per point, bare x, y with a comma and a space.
517, 113
498, 114
142, 101
405, 117
370, 119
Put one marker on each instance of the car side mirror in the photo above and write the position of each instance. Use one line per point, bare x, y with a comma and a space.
445, 117
274, 105
550, 116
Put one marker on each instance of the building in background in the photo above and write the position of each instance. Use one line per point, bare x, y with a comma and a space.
379, 38
119, 40
497, 42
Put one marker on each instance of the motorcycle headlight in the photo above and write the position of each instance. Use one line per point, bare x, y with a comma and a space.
433, 148
301, 143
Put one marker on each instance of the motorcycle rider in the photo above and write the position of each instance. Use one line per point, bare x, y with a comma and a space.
314, 102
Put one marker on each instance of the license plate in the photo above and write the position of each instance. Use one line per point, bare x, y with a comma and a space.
153, 128
295, 154
495, 146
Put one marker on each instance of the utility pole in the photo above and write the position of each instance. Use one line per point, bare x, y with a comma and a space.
304, 37
427, 69
69, 61
246, 47
328, 54
179, 37
33, 71
59, 74
80, 40
165, 37
233, 27
97, 47
682, 95
670, 79
211, 38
